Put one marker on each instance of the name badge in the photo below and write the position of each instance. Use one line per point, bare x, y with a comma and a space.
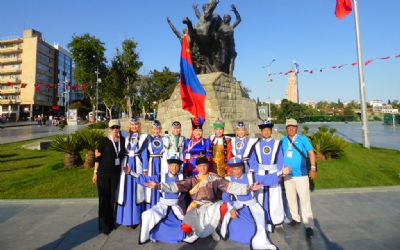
187, 156
117, 162
289, 154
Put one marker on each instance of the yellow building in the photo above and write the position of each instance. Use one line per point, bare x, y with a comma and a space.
34, 76
291, 89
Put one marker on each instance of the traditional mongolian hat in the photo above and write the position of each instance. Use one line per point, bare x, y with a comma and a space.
240, 125
201, 159
176, 124
134, 120
197, 122
156, 124
219, 124
235, 162
174, 159
265, 124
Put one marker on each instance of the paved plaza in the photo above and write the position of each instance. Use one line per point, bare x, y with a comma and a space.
365, 218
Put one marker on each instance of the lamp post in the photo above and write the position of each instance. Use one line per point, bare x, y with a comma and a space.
66, 100
269, 89
98, 80
297, 67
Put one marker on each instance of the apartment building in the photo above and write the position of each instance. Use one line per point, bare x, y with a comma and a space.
35, 77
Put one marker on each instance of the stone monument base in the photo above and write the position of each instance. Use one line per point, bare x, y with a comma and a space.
225, 100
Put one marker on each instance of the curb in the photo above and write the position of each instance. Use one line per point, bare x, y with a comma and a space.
95, 200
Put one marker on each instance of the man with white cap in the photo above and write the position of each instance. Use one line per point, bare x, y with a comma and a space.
245, 222
295, 148
269, 160
173, 143
163, 221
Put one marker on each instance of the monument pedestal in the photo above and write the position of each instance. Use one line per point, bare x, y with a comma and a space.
225, 100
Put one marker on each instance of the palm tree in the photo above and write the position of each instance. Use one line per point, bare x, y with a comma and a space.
71, 146
89, 139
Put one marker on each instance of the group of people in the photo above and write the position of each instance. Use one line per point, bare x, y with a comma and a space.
229, 187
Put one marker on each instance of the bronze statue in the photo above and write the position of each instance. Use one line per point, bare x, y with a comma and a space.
211, 39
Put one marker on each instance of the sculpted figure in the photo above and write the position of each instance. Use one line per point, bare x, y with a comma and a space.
227, 53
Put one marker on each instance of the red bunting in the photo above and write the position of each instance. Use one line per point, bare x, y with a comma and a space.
334, 67
311, 71
23, 85
354, 64
37, 86
343, 8
306, 70
67, 86
321, 69
48, 86
9, 84
398, 56
342, 66
368, 62
75, 87
384, 58
83, 86
269, 74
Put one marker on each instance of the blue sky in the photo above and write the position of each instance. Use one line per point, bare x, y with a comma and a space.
303, 30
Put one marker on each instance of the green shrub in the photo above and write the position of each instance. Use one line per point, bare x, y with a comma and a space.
98, 125
90, 139
327, 144
71, 146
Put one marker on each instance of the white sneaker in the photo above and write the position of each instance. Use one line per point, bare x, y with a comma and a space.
215, 236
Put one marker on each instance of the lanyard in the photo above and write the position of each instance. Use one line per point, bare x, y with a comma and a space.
290, 144
119, 145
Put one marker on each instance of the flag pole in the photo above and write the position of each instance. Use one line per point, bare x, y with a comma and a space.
364, 113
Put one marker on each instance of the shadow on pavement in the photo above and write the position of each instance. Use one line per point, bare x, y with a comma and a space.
75, 237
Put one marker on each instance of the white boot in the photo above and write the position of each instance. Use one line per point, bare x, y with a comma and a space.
190, 238
215, 236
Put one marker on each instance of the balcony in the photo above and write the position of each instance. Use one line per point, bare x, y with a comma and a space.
10, 91
10, 60
10, 101
15, 48
7, 80
9, 70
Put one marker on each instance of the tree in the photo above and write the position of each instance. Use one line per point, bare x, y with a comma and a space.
124, 70
88, 56
158, 86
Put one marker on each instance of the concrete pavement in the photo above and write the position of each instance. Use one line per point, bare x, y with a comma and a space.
363, 218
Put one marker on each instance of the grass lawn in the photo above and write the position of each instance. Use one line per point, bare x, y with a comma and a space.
34, 174
40, 174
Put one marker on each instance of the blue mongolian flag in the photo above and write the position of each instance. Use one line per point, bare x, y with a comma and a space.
192, 92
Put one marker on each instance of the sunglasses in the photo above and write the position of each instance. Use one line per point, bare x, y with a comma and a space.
115, 127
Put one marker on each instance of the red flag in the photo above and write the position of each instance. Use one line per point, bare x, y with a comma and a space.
354, 64
398, 56
47, 86
306, 70
311, 71
343, 8
83, 86
67, 86
385, 58
75, 87
321, 69
342, 66
23, 85
37, 86
368, 62
192, 92
280, 73
9, 84
269, 74
334, 67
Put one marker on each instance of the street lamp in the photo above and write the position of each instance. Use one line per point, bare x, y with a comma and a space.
98, 80
297, 84
269, 89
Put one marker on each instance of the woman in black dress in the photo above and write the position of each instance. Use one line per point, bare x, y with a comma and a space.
107, 170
